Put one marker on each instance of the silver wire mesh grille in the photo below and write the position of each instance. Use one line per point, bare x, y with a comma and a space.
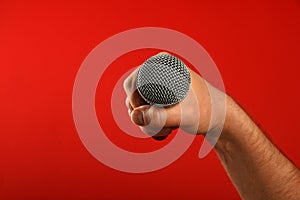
163, 80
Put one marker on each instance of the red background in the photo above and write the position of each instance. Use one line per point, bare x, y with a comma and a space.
42, 44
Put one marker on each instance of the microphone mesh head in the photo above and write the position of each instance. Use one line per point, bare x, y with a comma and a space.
163, 80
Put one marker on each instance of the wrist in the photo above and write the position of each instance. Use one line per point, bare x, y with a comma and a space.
239, 129
236, 120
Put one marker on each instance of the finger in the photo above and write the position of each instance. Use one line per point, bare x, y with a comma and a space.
156, 132
156, 117
130, 83
136, 100
129, 106
132, 93
159, 138
163, 134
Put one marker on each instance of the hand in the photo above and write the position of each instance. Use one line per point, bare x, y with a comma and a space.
192, 114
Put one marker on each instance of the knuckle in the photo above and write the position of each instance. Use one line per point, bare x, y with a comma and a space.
129, 85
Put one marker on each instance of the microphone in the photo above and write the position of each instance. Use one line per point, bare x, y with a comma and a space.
163, 80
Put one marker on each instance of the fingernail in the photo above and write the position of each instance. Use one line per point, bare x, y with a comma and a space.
137, 117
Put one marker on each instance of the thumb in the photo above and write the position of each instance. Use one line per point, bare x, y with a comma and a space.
156, 117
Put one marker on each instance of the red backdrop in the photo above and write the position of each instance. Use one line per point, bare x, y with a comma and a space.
42, 44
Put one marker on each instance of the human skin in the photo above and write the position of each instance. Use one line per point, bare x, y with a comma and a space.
254, 164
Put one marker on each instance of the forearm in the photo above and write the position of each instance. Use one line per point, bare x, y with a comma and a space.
256, 167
